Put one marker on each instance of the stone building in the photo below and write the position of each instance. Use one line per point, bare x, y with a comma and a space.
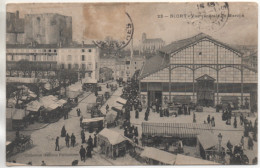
83, 58
46, 28
14, 28
151, 45
201, 69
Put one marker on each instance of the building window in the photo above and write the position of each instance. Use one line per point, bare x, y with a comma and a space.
69, 66
62, 66
89, 74
54, 50
89, 50
89, 65
49, 50
83, 66
83, 57
76, 66
69, 58
83, 50
50, 66
12, 57
34, 57
135, 62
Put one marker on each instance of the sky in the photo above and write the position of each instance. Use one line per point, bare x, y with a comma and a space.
95, 21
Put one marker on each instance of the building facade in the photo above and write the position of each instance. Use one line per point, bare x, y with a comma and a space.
46, 59
109, 63
83, 58
43, 57
201, 69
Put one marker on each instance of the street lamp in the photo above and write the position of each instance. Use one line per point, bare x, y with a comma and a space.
219, 141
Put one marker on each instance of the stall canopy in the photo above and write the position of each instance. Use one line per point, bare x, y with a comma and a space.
111, 116
89, 80
89, 120
112, 136
159, 155
180, 130
53, 106
121, 100
188, 160
207, 140
48, 100
61, 102
33, 106
16, 114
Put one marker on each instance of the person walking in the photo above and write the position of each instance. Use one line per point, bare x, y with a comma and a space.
95, 140
67, 140
43, 163
89, 149
73, 140
213, 121
57, 147
235, 122
194, 117
82, 153
78, 112
208, 119
250, 143
83, 138
136, 114
90, 142
63, 131
242, 141
241, 119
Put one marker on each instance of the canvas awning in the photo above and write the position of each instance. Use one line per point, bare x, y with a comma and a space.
180, 130
89, 120
53, 106
33, 106
61, 102
16, 114
112, 136
207, 140
111, 116
188, 160
159, 155
121, 100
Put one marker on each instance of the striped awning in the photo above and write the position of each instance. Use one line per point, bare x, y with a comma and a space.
180, 130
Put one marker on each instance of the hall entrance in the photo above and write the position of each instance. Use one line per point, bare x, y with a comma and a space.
153, 95
205, 91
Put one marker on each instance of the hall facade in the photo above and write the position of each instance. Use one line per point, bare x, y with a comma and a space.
200, 69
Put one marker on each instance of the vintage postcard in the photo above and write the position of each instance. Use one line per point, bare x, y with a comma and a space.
117, 84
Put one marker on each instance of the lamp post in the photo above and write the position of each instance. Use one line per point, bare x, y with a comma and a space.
219, 148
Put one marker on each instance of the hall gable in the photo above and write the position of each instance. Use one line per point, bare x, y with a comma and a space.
205, 51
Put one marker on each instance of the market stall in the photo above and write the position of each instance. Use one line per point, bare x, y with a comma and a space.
16, 118
188, 160
112, 143
208, 145
89, 84
156, 132
34, 108
111, 118
93, 124
155, 156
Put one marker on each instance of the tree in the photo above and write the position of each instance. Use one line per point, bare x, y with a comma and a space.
25, 67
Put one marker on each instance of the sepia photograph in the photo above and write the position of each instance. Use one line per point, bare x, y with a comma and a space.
131, 84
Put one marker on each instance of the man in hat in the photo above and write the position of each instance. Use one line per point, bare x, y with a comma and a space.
57, 147
67, 140
73, 140
82, 153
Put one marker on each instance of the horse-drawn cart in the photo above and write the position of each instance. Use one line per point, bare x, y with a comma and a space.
20, 144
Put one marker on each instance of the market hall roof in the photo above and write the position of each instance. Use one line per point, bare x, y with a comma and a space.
154, 64
180, 44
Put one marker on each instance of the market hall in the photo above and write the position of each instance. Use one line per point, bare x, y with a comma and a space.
200, 69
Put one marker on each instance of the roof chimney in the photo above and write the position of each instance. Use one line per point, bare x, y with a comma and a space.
17, 14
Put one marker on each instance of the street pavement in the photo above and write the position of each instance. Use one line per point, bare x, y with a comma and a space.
44, 142
44, 139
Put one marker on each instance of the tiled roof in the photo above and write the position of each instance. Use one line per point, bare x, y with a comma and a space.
177, 45
153, 65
